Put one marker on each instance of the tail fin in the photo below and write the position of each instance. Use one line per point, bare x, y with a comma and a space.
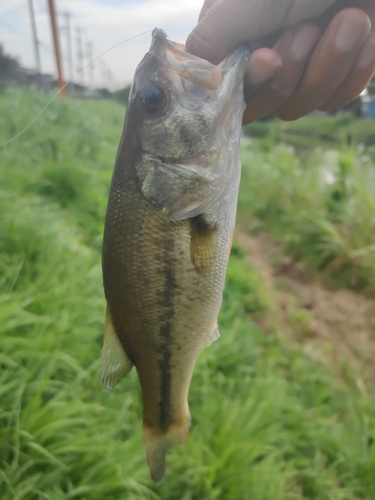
158, 443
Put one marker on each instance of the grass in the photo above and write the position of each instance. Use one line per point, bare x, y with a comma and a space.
269, 422
319, 205
313, 131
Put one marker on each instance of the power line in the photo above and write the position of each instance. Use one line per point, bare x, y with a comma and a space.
18, 33
14, 30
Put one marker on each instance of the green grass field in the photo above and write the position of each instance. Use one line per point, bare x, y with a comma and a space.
269, 421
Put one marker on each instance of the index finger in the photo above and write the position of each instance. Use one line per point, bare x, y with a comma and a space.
226, 23
206, 7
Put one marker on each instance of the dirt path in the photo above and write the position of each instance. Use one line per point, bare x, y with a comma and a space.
338, 326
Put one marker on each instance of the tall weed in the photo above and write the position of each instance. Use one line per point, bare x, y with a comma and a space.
320, 205
268, 421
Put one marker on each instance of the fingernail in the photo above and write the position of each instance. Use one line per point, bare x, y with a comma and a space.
350, 31
304, 41
262, 70
367, 54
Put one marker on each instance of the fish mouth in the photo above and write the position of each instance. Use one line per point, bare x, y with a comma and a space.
191, 68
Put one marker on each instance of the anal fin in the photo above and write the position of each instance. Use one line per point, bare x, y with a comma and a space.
214, 335
115, 364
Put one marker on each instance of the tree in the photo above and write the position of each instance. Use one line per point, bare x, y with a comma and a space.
10, 69
122, 95
371, 87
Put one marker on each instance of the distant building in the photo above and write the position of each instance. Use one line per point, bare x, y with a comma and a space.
369, 105
42, 81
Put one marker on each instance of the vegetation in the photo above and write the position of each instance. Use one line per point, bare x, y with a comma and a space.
320, 205
10, 69
269, 422
317, 131
122, 95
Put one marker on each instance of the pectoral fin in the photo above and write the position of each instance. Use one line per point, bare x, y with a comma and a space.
115, 364
203, 244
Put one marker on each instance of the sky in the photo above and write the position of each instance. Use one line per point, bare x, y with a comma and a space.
104, 23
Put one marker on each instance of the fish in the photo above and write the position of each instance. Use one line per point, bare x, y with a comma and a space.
168, 230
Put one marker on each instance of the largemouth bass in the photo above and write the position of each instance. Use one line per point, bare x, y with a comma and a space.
168, 230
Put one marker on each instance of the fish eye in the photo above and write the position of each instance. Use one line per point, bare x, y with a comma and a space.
153, 99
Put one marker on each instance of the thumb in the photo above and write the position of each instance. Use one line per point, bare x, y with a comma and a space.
228, 23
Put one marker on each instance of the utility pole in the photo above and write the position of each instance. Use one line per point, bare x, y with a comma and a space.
109, 78
56, 45
35, 41
69, 44
90, 61
103, 72
80, 55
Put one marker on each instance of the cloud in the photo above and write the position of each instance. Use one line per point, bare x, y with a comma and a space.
5, 7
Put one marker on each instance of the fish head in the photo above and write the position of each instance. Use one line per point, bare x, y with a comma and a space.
186, 116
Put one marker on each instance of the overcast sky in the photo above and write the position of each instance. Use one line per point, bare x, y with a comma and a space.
105, 23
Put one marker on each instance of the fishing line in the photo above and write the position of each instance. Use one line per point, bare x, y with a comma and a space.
78, 72
66, 84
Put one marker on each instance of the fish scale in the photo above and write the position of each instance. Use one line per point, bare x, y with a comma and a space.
168, 232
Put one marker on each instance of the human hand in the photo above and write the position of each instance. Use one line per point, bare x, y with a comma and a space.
323, 64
